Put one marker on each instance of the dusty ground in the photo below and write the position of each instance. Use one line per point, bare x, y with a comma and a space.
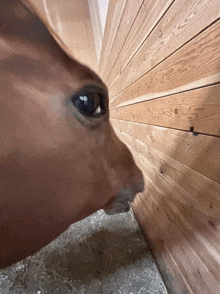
101, 254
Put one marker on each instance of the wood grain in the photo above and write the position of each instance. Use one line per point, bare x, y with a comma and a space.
183, 262
180, 223
164, 105
114, 15
198, 109
96, 25
130, 34
198, 60
171, 274
170, 222
197, 189
179, 145
189, 256
183, 21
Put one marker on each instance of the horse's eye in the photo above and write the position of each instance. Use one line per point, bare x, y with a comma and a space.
90, 104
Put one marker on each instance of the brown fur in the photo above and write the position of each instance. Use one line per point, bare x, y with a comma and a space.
56, 166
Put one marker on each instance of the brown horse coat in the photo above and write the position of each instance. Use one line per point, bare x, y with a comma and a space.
58, 162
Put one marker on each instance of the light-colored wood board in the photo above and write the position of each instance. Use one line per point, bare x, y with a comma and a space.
171, 274
168, 229
96, 26
171, 216
200, 230
149, 209
201, 153
176, 238
129, 29
71, 22
204, 82
184, 20
195, 230
198, 109
176, 213
198, 190
115, 12
208, 255
204, 259
190, 220
195, 272
194, 63
145, 22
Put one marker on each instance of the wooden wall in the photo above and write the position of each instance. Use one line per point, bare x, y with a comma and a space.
160, 60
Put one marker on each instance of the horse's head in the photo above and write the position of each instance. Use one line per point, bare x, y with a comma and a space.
60, 159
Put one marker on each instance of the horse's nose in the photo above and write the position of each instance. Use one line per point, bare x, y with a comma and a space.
127, 178
137, 181
133, 185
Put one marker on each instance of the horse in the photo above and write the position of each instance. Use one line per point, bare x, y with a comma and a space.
60, 159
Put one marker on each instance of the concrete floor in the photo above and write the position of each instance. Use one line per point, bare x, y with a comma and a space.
101, 254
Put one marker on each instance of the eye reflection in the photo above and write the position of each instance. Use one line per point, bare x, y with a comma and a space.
90, 104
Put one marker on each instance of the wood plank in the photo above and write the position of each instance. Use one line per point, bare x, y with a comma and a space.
178, 221
178, 240
171, 274
176, 215
173, 278
129, 29
184, 20
179, 145
96, 25
197, 189
198, 109
191, 66
115, 12
208, 255
199, 223
188, 219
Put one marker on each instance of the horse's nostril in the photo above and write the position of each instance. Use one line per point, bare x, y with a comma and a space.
140, 187
118, 208
136, 182
125, 195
